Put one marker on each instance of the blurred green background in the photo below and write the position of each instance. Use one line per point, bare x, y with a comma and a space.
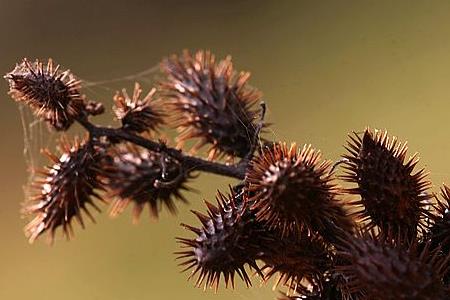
325, 69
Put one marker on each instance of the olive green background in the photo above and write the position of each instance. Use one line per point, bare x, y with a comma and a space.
325, 69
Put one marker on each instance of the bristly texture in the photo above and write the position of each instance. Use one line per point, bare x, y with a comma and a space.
393, 196
300, 262
376, 269
229, 239
52, 94
136, 114
293, 191
211, 103
142, 177
65, 189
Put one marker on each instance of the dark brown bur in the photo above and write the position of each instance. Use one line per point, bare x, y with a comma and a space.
66, 189
143, 177
300, 262
393, 196
52, 94
378, 268
293, 191
211, 103
136, 114
230, 238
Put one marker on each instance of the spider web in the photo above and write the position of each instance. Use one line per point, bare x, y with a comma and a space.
38, 136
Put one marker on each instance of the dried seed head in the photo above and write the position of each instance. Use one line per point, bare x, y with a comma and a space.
300, 262
143, 177
293, 191
65, 189
136, 114
53, 95
229, 239
376, 269
393, 196
210, 103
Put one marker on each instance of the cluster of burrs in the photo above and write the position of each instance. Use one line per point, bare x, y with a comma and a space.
384, 235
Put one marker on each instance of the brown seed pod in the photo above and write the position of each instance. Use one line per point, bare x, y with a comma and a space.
229, 239
377, 269
52, 94
65, 189
294, 191
139, 176
210, 103
300, 262
136, 114
393, 196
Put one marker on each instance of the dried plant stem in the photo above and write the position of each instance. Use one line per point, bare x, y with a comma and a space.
189, 162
